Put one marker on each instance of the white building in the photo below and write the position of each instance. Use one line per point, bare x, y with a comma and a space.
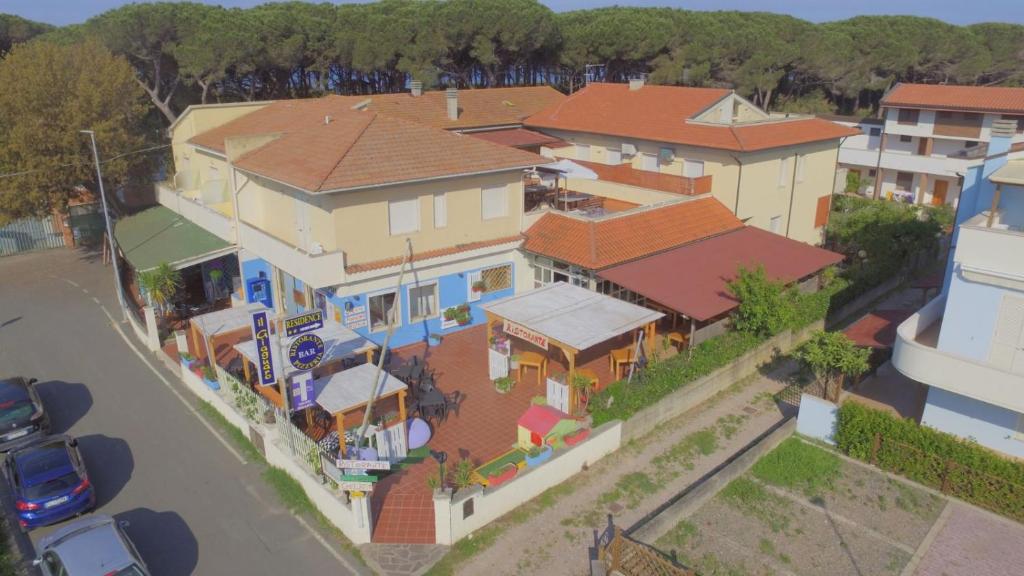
926, 139
967, 345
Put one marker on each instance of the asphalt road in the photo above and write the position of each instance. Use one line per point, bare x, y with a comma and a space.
194, 506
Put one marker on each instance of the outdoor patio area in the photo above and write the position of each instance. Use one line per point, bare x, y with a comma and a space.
483, 428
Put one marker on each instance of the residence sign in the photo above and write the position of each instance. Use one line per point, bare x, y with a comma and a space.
524, 333
302, 323
264, 355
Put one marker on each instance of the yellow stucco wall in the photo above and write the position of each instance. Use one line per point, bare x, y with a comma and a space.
198, 119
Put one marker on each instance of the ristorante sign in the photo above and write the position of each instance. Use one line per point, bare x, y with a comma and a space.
264, 352
524, 333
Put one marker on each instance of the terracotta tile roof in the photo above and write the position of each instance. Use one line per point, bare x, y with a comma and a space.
478, 108
600, 243
516, 137
358, 149
971, 98
693, 279
626, 174
279, 116
428, 254
877, 329
660, 113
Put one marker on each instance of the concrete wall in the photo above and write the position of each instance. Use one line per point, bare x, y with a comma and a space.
817, 418
970, 319
695, 393
989, 425
490, 504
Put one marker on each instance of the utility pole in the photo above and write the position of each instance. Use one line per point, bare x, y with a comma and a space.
106, 219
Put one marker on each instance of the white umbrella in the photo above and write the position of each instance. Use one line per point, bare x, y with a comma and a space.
570, 169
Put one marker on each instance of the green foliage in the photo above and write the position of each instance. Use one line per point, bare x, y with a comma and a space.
504, 384
463, 473
853, 182
932, 458
50, 92
943, 215
160, 284
14, 30
798, 465
830, 356
763, 309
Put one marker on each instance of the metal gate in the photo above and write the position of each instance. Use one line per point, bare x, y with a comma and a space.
87, 226
29, 234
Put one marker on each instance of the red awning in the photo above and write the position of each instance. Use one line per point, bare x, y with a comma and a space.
877, 329
692, 279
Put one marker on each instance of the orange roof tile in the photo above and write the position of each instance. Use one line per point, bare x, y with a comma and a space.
660, 113
357, 149
478, 108
516, 137
944, 97
598, 244
626, 174
428, 254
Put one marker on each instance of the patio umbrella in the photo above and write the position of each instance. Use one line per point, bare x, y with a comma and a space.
570, 169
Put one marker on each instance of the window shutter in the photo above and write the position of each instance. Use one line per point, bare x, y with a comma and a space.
821, 211
693, 168
472, 278
440, 210
404, 216
494, 202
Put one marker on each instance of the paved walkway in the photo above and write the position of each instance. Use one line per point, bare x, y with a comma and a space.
973, 542
629, 484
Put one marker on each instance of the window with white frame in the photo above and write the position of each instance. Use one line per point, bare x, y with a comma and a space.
383, 310
583, 152
775, 224
614, 157
800, 168
649, 163
783, 169
693, 168
404, 216
494, 202
547, 271
422, 302
440, 210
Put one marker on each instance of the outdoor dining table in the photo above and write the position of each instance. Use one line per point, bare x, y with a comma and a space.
431, 403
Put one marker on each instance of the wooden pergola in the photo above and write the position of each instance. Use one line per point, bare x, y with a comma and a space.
570, 318
349, 390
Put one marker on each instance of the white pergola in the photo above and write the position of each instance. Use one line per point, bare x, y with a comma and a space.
206, 327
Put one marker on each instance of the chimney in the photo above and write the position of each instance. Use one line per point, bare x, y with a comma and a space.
452, 96
636, 83
417, 88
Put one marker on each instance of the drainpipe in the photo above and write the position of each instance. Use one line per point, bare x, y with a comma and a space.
238, 226
739, 181
882, 138
792, 192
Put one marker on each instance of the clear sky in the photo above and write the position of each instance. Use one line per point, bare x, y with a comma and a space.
955, 11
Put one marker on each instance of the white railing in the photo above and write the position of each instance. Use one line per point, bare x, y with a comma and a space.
927, 364
202, 216
319, 271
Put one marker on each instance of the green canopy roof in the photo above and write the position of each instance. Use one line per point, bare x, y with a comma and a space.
158, 235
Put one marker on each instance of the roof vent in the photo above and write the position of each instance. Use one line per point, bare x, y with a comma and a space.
452, 97
362, 104
636, 82
417, 88
327, 119
1004, 128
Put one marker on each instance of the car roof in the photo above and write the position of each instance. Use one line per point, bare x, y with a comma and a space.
44, 461
90, 545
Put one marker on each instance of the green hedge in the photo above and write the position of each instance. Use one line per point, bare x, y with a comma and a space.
933, 458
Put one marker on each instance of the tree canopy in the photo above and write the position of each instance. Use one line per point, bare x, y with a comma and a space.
185, 53
50, 92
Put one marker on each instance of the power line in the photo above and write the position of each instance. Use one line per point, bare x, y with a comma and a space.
85, 162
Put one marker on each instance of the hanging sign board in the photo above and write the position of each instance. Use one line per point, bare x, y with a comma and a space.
302, 323
303, 394
356, 486
306, 352
364, 464
264, 355
356, 317
524, 333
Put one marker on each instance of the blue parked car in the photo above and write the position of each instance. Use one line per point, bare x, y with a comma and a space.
49, 482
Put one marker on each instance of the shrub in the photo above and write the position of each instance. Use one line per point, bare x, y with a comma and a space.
933, 458
830, 356
765, 307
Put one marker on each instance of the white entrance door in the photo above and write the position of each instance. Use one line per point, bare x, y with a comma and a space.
558, 395
1007, 351
497, 364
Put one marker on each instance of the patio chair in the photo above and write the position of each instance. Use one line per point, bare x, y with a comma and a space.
451, 402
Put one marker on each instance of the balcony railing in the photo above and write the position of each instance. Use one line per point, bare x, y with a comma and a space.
994, 247
917, 356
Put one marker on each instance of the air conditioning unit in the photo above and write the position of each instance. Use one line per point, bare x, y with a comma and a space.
316, 249
666, 155
628, 149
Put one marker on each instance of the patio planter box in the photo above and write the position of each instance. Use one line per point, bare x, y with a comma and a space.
508, 472
212, 384
541, 458
576, 437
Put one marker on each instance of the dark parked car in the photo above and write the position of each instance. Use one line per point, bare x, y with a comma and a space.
49, 482
22, 418
92, 546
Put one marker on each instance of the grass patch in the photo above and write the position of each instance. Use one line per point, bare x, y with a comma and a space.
750, 497
288, 490
679, 537
632, 488
797, 465
238, 438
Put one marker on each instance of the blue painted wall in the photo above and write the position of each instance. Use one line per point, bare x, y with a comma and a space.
453, 290
970, 317
251, 270
987, 424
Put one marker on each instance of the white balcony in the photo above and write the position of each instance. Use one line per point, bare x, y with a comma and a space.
916, 356
995, 249
318, 270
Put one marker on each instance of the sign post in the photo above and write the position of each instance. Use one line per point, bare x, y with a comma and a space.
264, 352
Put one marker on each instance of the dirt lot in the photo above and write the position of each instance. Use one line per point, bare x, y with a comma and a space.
802, 510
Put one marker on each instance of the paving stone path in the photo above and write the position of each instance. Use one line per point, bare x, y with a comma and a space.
402, 559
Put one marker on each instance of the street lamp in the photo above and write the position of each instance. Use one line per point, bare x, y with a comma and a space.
441, 456
106, 218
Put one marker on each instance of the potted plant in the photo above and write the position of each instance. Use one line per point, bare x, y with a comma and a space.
479, 286
504, 384
210, 378
186, 360
463, 474
513, 362
160, 285
538, 455
583, 387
